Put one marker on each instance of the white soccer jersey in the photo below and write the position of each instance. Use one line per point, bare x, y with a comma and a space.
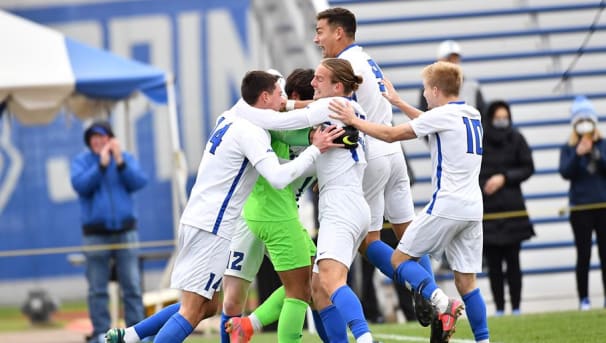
329, 165
226, 175
370, 98
455, 140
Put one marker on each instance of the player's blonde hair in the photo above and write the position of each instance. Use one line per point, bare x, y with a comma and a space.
446, 76
342, 72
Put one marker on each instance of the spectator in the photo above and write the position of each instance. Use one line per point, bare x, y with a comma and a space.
450, 51
506, 163
105, 178
582, 161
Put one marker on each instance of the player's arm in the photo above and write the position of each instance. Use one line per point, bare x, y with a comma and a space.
281, 175
273, 120
344, 112
392, 96
296, 104
299, 137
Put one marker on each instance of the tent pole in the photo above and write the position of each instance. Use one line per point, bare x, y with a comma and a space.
179, 179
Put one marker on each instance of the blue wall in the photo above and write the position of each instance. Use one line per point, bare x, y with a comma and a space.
31, 218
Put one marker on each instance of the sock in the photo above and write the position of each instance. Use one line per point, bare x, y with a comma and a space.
319, 326
365, 338
475, 308
350, 309
425, 262
439, 299
269, 311
176, 330
411, 272
379, 254
290, 324
255, 323
151, 325
335, 326
131, 336
224, 319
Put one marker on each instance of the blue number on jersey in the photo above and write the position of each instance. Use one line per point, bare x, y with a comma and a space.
211, 282
236, 264
474, 135
378, 74
217, 136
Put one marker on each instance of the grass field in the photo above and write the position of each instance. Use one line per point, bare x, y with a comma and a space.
555, 327
558, 327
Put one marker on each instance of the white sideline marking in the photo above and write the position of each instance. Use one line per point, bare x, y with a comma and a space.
403, 338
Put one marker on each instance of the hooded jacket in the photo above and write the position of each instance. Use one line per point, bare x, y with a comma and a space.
105, 194
505, 151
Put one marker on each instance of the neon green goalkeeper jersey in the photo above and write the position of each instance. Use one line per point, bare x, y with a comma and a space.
266, 203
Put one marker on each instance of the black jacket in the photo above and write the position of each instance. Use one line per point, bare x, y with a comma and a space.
506, 152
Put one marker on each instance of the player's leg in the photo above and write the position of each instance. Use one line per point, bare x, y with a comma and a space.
342, 230
246, 256
333, 324
428, 235
198, 272
464, 254
288, 245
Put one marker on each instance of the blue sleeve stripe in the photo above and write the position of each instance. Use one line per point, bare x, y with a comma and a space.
230, 193
438, 175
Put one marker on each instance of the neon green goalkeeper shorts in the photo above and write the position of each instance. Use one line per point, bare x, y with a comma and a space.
287, 242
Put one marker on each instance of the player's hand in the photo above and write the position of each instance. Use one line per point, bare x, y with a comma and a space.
390, 92
343, 111
585, 145
116, 150
323, 137
494, 183
105, 155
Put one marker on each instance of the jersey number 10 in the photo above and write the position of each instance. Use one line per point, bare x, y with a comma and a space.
474, 135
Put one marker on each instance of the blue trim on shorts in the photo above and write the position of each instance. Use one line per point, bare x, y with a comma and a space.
230, 193
438, 175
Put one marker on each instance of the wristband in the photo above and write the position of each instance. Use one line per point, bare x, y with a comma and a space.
290, 105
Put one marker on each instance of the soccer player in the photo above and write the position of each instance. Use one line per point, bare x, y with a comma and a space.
386, 183
452, 221
344, 214
273, 219
235, 154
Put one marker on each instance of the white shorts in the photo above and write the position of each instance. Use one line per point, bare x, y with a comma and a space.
387, 191
200, 263
344, 218
461, 241
245, 253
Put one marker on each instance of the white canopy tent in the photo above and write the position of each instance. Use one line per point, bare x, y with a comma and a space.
42, 72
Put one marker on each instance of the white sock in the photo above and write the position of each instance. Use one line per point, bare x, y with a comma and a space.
130, 335
484, 341
440, 300
256, 323
365, 338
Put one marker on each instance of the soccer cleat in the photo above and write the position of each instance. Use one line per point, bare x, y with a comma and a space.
424, 310
240, 329
436, 330
449, 318
114, 335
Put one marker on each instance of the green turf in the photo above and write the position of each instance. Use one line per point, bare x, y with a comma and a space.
558, 327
